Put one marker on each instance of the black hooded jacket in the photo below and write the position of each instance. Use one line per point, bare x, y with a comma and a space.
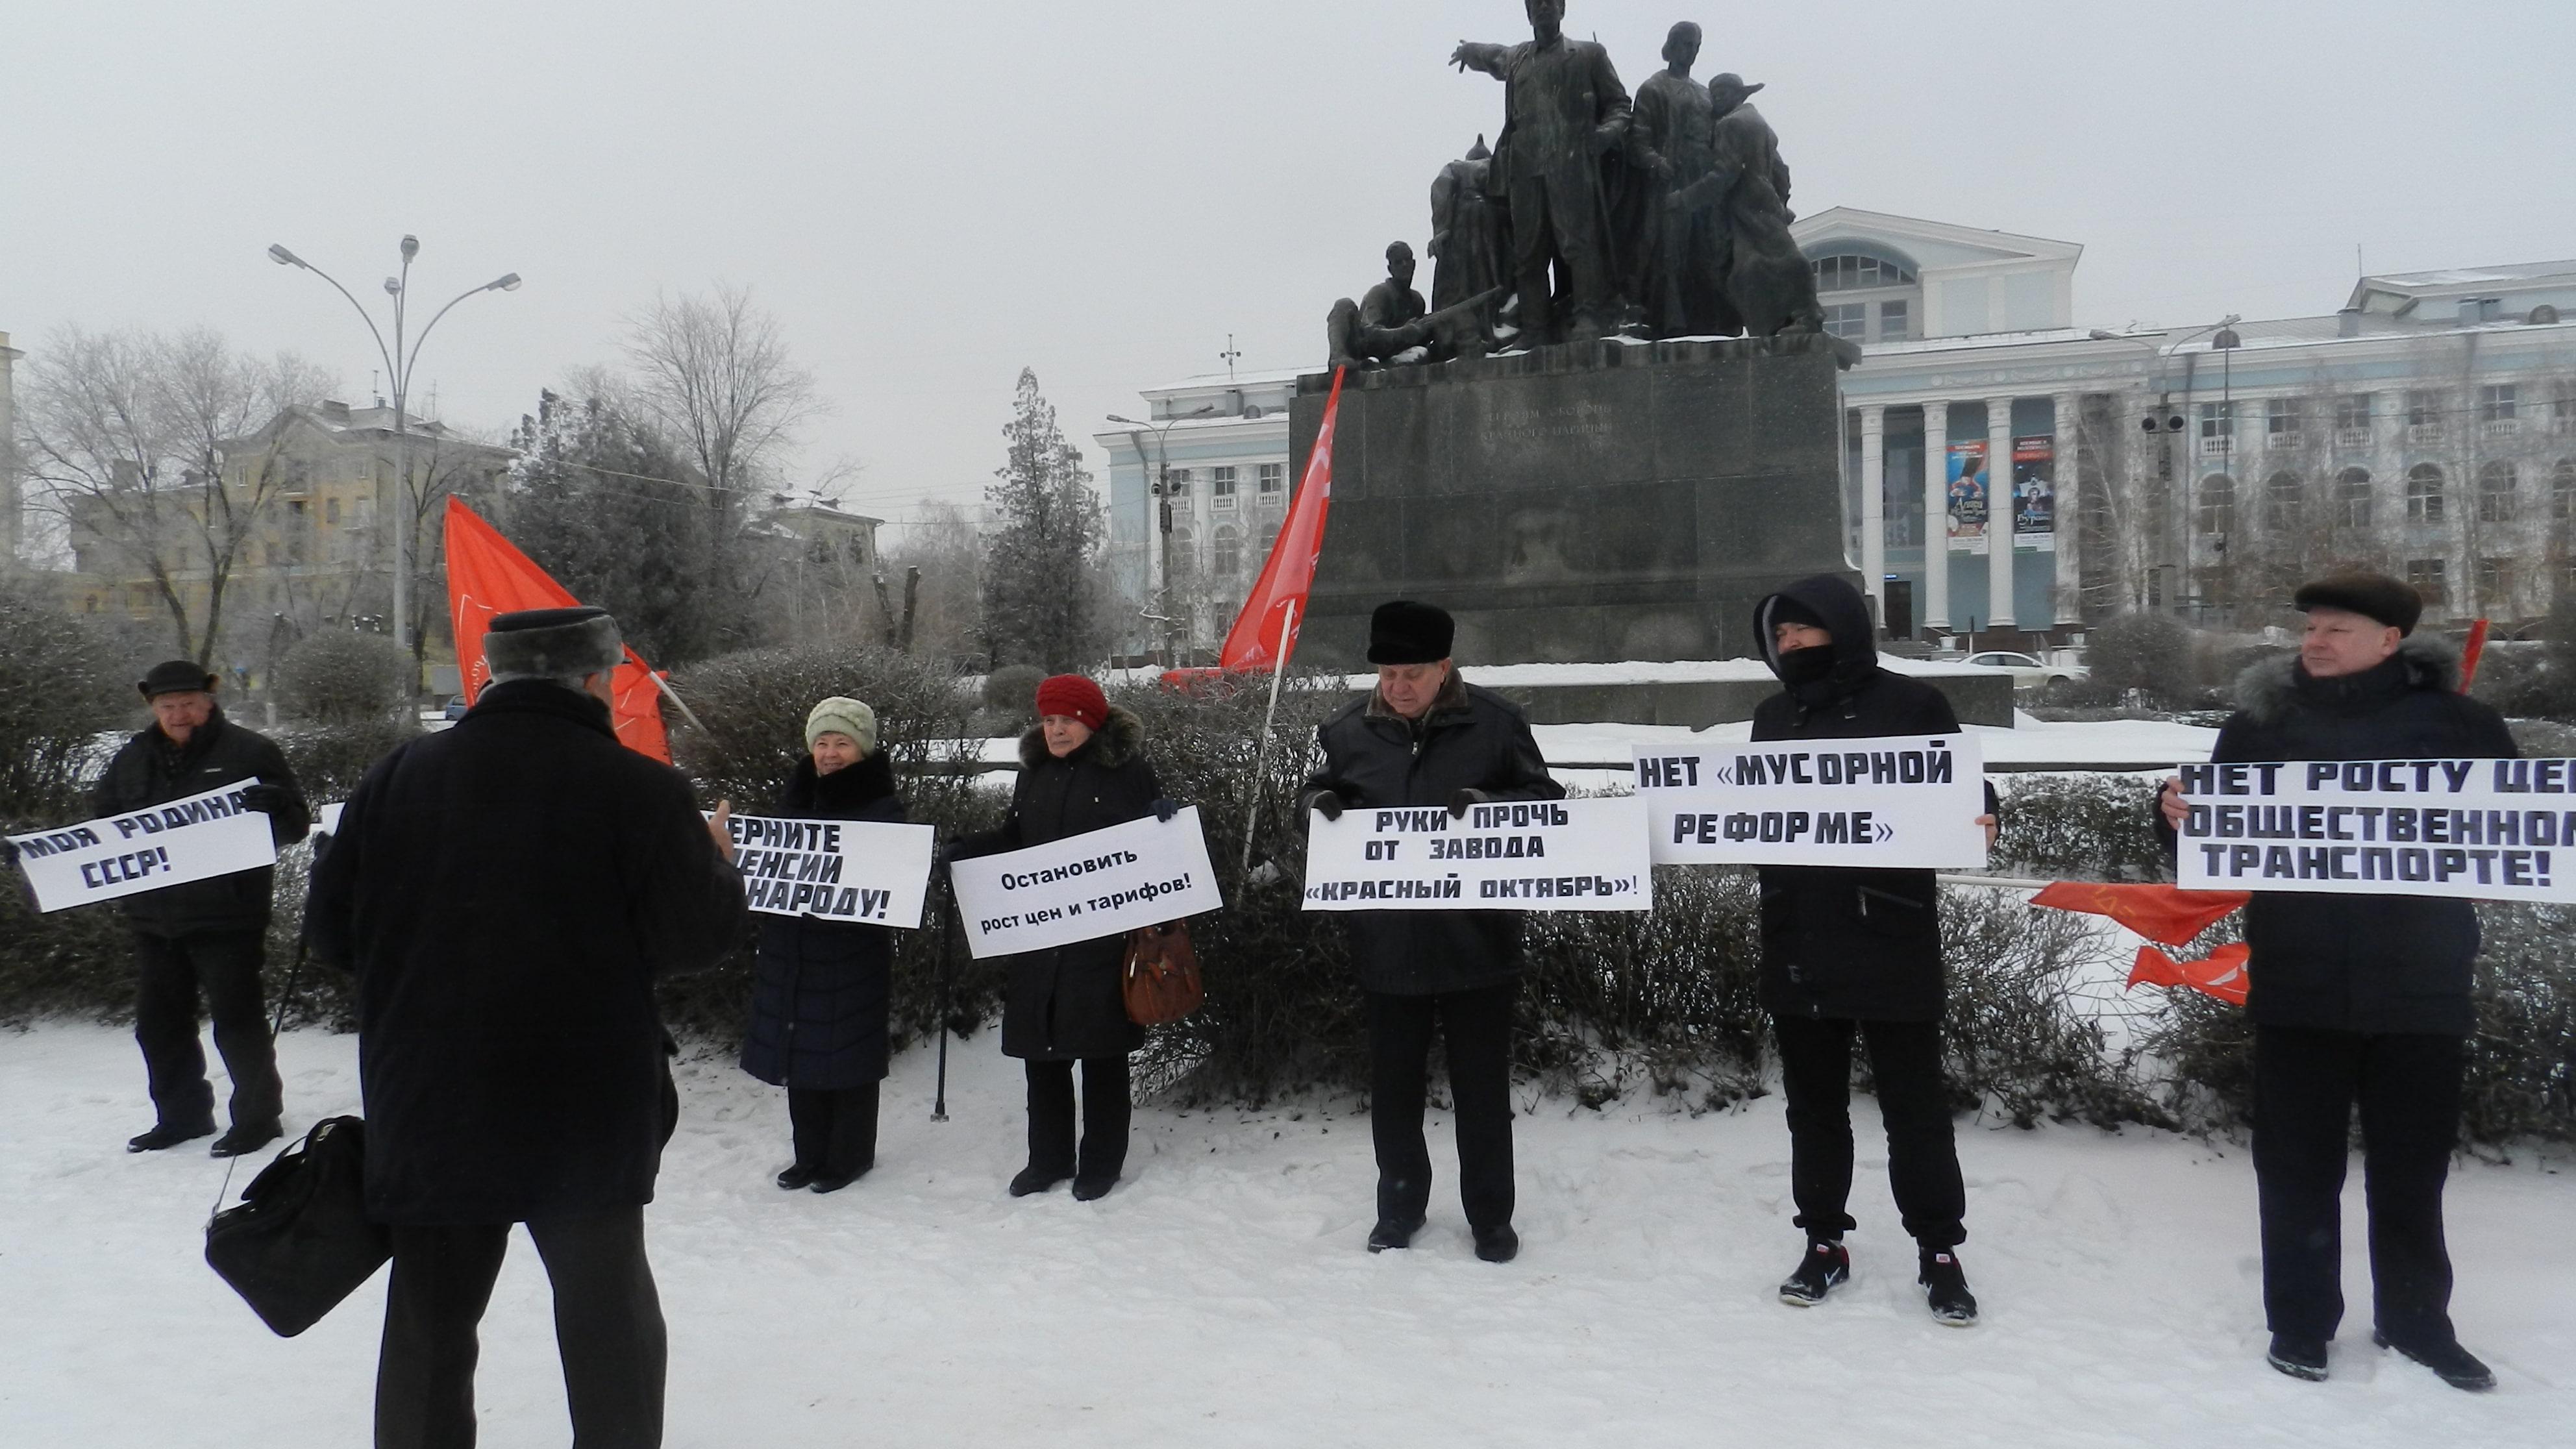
150, 770
2394, 964
820, 989
1864, 944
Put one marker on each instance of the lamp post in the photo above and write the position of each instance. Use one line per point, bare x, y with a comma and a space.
2173, 425
1161, 490
398, 366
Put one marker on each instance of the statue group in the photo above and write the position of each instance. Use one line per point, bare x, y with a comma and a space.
1595, 216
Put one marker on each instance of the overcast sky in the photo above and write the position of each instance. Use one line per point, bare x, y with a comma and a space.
933, 195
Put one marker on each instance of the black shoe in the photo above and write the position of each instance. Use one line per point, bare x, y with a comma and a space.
1036, 1179
2455, 1365
1498, 1244
167, 1136
1945, 1288
1392, 1234
1092, 1189
796, 1177
835, 1181
2299, 1356
245, 1139
1826, 1267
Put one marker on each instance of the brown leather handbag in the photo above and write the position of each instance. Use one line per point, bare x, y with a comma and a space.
1161, 975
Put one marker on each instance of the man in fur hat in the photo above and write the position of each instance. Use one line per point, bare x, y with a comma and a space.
507, 893
2357, 998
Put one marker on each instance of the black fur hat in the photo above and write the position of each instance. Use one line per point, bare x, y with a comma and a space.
2373, 596
1404, 632
555, 643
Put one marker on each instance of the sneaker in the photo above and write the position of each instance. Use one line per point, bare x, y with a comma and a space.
1035, 1180
1945, 1288
796, 1177
1826, 1267
242, 1139
2299, 1356
2455, 1365
166, 1135
1392, 1234
1498, 1244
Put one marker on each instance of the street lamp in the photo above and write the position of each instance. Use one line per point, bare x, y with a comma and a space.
2173, 424
398, 366
1161, 489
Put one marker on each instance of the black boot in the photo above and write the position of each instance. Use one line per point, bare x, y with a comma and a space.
796, 1177
1945, 1288
2299, 1356
245, 1139
1393, 1233
1034, 1179
2456, 1365
1826, 1267
166, 1135
1498, 1244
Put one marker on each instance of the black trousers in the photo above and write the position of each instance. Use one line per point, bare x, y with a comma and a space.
170, 971
1106, 1111
2306, 1083
835, 1131
608, 1327
1913, 1102
1476, 1027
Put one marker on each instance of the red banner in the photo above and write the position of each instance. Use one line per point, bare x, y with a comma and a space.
486, 575
1278, 598
2221, 974
2157, 912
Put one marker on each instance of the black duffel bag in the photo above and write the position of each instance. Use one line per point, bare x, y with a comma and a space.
300, 1241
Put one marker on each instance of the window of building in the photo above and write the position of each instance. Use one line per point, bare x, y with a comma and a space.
2284, 503
2426, 575
2496, 402
1221, 489
2217, 427
1274, 481
2284, 420
2352, 498
2495, 492
2423, 413
2352, 414
1185, 552
2218, 504
1848, 319
2562, 489
2424, 493
1228, 558
1850, 271
1894, 320
2563, 412
331, 511
2495, 581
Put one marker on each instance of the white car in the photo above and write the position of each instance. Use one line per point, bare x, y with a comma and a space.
2028, 670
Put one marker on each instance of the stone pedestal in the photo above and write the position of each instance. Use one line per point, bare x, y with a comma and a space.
1589, 502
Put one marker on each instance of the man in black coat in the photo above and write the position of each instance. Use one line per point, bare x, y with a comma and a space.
1427, 737
507, 892
1848, 953
208, 935
2357, 997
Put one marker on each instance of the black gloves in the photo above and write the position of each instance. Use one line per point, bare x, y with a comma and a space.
1459, 802
1166, 808
266, 799
1324, 803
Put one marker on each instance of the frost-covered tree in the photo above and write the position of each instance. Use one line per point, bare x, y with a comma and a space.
1041, 590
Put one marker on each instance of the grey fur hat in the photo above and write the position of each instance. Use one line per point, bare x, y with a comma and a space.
553, 643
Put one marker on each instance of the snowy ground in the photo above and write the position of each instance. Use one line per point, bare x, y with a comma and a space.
1220, 1295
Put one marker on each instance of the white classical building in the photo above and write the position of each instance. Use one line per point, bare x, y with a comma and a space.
1215, 449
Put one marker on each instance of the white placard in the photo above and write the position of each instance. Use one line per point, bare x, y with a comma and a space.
863, 872
1544, 855
169, 844
1103, 883
1903, 802
2498, 830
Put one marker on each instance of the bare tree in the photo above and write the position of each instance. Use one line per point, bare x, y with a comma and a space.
127, 436
942, 541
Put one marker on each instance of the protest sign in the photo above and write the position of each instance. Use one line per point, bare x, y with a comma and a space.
1543, 855
1103, 883
2501, 830
867, 872
121, 855
1907, 803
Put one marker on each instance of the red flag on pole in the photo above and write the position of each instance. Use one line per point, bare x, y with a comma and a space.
2158, 912
486, 575
2471, 653
2220, 974
1276, 608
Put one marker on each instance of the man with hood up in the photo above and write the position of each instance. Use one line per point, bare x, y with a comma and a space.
1857, 953
2357, 999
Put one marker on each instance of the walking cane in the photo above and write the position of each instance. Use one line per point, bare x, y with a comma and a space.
947, 938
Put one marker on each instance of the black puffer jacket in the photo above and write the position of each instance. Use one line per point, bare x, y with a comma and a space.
1863, 944
2357, 962
819, 988
1470, 739
1065, 1003
149, 770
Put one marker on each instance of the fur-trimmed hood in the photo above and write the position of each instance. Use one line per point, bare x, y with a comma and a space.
1119, 739
2266, 690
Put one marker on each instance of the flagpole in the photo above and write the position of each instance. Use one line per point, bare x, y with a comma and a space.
668, 693
1261, 759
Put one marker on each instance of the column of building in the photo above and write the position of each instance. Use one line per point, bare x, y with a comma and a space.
2065, 510
1936, 514
1873, 509
1999, 514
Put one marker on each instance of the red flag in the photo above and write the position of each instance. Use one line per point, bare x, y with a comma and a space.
2221, 974
486, 575
1253, 643
2157, 912
2471, 653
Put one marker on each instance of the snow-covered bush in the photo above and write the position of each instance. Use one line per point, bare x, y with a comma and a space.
340, 677
2082, 827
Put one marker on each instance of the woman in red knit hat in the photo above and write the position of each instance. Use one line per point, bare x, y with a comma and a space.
1082, 768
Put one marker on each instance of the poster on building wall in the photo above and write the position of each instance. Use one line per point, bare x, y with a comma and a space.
1967, 479
2035, 485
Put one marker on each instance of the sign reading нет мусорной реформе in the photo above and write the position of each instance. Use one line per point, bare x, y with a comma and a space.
1897, 803
2487, 829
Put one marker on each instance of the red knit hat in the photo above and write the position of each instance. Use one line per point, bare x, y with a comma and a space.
1074, 697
